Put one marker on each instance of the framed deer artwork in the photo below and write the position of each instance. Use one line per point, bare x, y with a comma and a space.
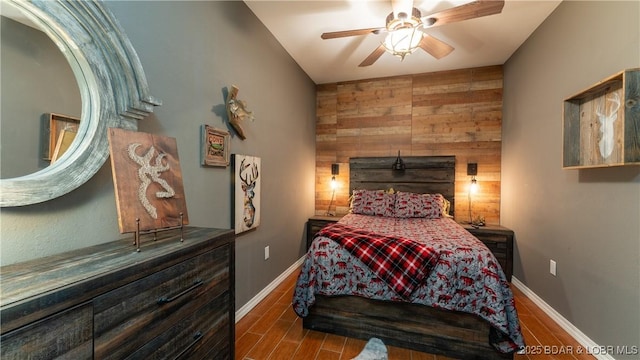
247, 192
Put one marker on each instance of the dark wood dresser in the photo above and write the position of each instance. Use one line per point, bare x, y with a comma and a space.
499, 240
171, 300
315, 223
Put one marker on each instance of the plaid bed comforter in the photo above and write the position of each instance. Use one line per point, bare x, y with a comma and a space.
400, 262
466, 276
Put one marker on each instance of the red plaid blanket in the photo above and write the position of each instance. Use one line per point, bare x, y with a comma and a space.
400, 262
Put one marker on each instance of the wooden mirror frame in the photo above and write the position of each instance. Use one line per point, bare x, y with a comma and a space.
112, 85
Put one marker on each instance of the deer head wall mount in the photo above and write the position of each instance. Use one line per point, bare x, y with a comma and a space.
237, 111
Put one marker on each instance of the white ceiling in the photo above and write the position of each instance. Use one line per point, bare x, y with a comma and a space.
297, 25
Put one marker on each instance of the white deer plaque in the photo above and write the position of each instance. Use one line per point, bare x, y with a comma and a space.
607, 140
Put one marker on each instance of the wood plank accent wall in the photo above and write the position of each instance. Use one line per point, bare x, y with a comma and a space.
456, 112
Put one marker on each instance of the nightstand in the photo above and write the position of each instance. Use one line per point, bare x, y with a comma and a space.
316, 223
499, 240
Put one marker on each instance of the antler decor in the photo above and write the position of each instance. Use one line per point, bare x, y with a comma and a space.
237, 111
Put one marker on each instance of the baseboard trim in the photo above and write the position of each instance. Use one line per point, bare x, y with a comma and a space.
244, 310
580, 337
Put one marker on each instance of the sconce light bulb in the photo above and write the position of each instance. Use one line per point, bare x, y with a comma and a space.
473, 188
334, 183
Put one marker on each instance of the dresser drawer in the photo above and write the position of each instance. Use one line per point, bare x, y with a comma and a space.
497, 246
128, 318
66, 335
198, 336
494, 238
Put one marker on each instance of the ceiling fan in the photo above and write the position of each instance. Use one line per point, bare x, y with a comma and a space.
405, 25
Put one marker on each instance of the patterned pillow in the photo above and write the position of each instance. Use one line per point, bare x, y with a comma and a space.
411, 205
373, 202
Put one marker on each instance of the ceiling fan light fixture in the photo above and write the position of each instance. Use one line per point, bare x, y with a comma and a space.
404, 34
403, 41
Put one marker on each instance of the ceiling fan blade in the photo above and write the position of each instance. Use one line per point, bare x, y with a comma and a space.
468, 11
375, 55
437, 48
402, 6
346, 33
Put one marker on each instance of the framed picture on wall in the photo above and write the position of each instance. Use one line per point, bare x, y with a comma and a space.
215, 144
62, 131
247, 192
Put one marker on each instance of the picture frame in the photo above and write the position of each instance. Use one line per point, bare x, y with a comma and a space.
62, 130
215, 146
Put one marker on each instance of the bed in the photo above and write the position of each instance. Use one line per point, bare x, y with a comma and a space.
449, 297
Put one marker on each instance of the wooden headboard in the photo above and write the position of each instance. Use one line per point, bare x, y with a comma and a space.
423, 174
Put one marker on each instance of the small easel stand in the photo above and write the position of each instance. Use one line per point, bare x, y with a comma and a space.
138, 233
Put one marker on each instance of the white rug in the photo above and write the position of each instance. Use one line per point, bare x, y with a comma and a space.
374, 350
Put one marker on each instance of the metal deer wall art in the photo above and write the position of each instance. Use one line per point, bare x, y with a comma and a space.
247, 193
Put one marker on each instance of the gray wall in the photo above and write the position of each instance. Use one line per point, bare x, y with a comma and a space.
191, 51
586, 220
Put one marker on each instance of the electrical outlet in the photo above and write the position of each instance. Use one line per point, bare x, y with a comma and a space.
266, 252
552, 267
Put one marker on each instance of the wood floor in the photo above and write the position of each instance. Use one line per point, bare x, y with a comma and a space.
272, 331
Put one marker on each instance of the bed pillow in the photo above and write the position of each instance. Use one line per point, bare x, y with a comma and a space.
412, 205
373, 202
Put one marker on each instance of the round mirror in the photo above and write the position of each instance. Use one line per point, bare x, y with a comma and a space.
41, 101
112, 86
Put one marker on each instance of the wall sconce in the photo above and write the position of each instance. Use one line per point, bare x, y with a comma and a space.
398, 165
472, 170
335, 170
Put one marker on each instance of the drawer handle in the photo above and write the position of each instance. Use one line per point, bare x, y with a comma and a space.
165, 300
196, 337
